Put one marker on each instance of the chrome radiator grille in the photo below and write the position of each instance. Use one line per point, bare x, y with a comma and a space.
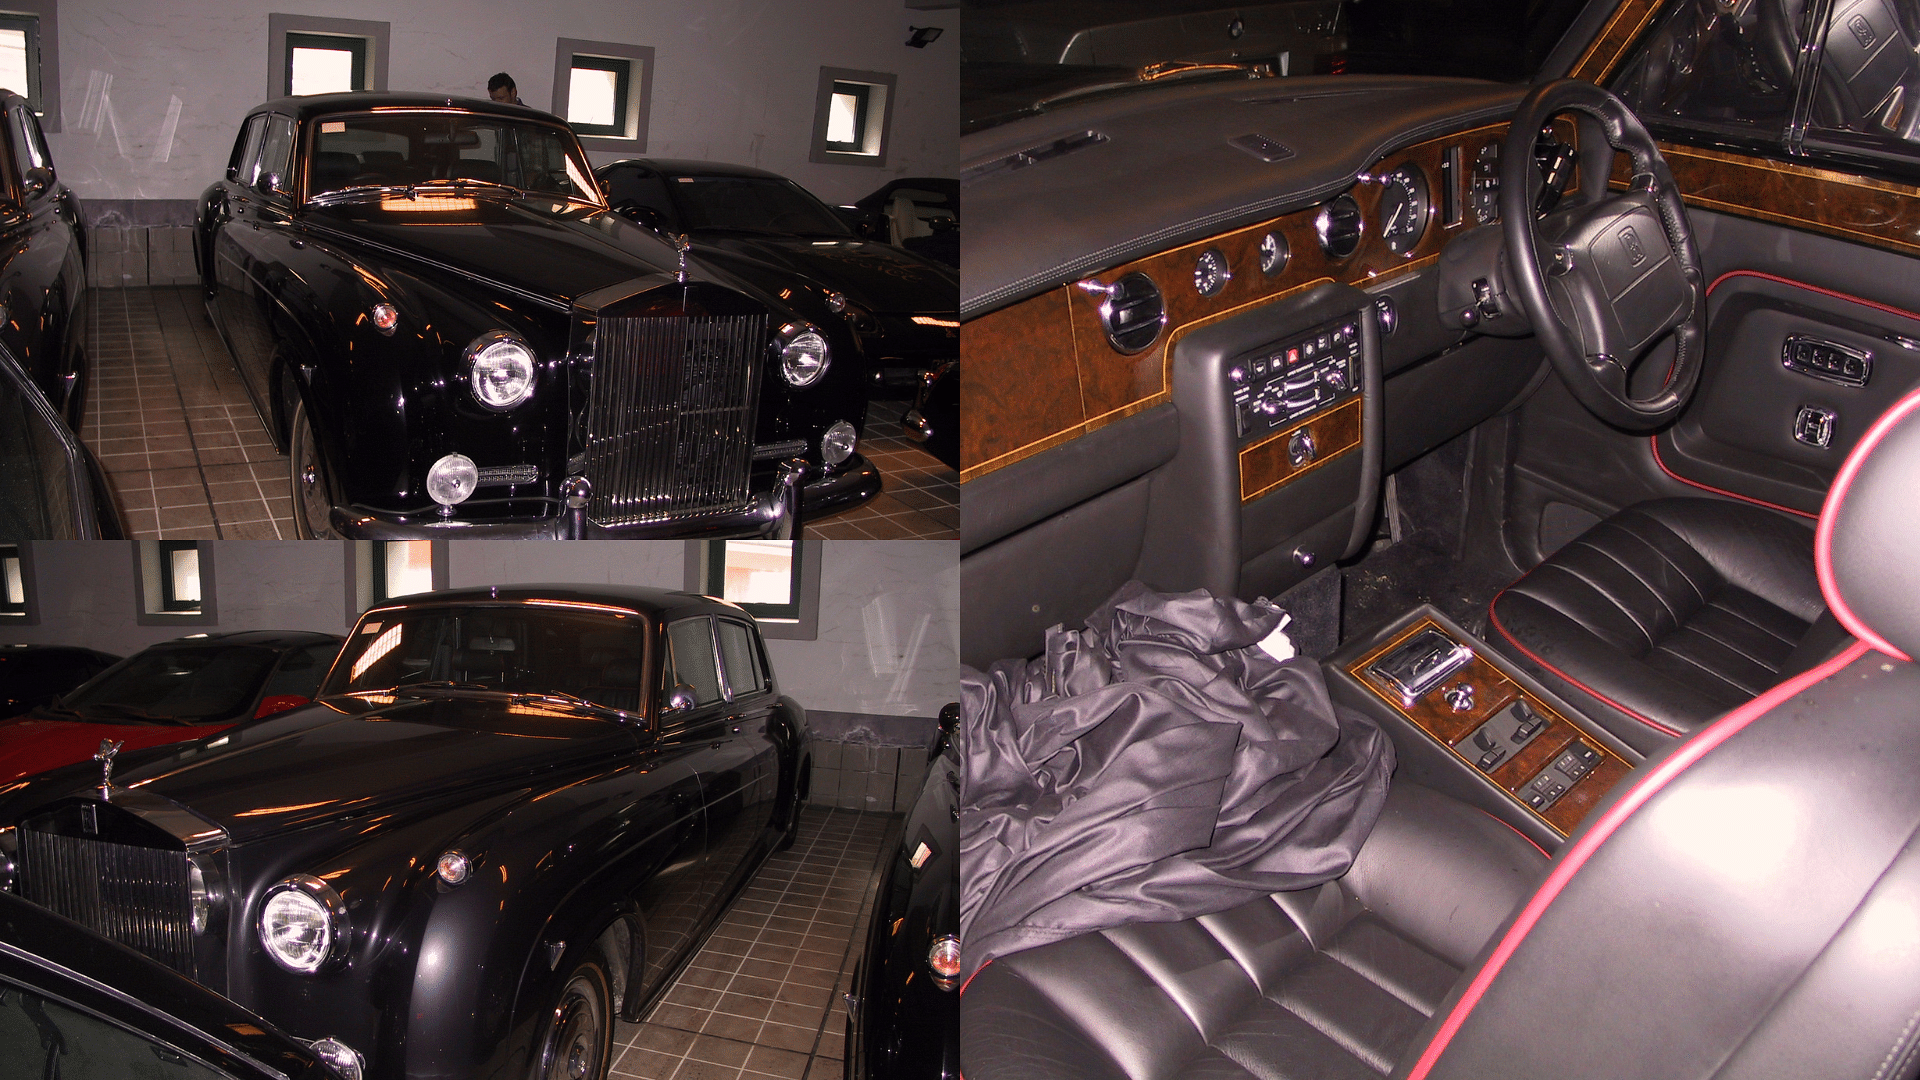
135, 895
670, 416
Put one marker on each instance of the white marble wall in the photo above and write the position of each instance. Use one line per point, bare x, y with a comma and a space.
152, 90
889, 609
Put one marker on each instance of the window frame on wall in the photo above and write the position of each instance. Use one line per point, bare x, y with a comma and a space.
374, 36
154, 588
875, 119
16, 563
43, 57
632, 115
366, 573
354, 46
172, 599
797, 620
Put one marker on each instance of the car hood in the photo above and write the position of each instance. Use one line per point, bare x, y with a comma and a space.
879, 277
550, 250
345, 757
36, 742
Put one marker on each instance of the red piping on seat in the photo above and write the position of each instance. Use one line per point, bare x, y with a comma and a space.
1535, 657
1789, 282
1576, 855
970, 978
1516, 832
1830, 513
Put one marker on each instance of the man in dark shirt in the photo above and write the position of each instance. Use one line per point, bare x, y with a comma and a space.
501, 88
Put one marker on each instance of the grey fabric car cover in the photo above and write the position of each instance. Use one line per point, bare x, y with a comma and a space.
1154, 766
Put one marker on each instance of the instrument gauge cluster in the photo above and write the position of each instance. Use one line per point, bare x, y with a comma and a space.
1405, 208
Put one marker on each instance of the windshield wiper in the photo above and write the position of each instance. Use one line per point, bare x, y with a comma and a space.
459, 182
129, 712
561, 697
359, 190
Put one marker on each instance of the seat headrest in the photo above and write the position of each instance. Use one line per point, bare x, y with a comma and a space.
1867, 549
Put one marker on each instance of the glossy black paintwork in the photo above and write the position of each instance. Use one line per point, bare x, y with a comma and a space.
573, 818
902, 1025
60, 959
43, 271
291, 283
51, 487
886, 285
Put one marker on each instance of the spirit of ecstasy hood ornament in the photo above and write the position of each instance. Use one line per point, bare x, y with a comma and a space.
109, 749
682, 245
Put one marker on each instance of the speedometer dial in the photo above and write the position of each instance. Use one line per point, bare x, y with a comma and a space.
1404, 209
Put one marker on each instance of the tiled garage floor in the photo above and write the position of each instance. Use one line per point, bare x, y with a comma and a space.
187, 457
762, 998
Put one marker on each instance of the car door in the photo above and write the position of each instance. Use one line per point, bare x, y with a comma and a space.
1795, 139
44, 269
249, 254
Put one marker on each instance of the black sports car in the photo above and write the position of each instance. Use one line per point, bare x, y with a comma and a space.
764, 228
509, 817
919, 213
433, 310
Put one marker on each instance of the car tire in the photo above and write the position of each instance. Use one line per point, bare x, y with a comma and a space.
576, 1039
307, 481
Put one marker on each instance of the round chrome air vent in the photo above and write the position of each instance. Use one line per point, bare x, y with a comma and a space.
1340, 227
1131, 309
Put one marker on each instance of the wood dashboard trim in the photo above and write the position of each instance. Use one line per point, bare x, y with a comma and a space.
1495, 690
1614, 39
1011, 417
1337, 431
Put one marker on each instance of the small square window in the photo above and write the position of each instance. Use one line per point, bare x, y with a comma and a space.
13, 583
325, 64
597, 95
604, 89
403, 567
759, 575
180, 576
853, 116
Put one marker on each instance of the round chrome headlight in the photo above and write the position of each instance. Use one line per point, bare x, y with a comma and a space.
345, 1059
837, 444
303, 924
500, 367
804, 355
199, 898
451, 480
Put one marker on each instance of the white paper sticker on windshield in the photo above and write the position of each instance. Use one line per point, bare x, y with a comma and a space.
370, 628
333, 127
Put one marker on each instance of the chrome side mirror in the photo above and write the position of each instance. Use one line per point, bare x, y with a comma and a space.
37, 180
679, 700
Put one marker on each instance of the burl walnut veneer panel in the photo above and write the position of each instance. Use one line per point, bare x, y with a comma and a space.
1494, 691
1265, 465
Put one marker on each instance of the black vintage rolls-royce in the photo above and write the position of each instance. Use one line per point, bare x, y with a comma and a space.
43, 264
766, 229
435, 314
510, 816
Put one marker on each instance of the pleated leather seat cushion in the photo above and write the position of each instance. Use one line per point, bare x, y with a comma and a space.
1669, 613
1331, 982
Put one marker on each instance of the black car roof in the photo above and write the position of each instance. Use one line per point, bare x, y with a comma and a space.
659, 603
690, 167
302, 108
273, 639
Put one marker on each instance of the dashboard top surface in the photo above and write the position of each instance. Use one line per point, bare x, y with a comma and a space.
1166, 171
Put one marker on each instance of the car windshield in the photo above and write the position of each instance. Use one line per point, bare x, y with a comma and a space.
1022, 57
177, 684
752, 204
372, 151
588, 651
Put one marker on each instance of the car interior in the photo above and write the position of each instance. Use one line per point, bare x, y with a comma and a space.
1526, 403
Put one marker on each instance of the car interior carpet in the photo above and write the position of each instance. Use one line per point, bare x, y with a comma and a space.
1156, 765
1434, 548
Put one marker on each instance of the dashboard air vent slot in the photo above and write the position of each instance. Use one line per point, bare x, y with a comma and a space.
1340, 226
1131, 310
1034, 155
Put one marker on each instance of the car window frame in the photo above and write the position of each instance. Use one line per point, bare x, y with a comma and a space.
245, 146
305, 142
755, 654
1797, 142
719, 666
282, 190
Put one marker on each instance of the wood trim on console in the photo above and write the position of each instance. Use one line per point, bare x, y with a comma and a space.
1056, 337
1494, 690
1265, 465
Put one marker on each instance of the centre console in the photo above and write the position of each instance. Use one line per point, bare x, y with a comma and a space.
1467, 722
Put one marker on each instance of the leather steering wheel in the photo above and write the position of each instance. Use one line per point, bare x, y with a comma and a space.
1610, 274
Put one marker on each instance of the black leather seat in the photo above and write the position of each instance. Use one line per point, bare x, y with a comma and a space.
1335, 981
1742, 906
1669, 613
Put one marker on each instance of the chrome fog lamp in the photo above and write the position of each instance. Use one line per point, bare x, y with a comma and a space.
500, 367
944, 959
451, 481
837, 444
454, 867
804, 355
344, 1059
303, 924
